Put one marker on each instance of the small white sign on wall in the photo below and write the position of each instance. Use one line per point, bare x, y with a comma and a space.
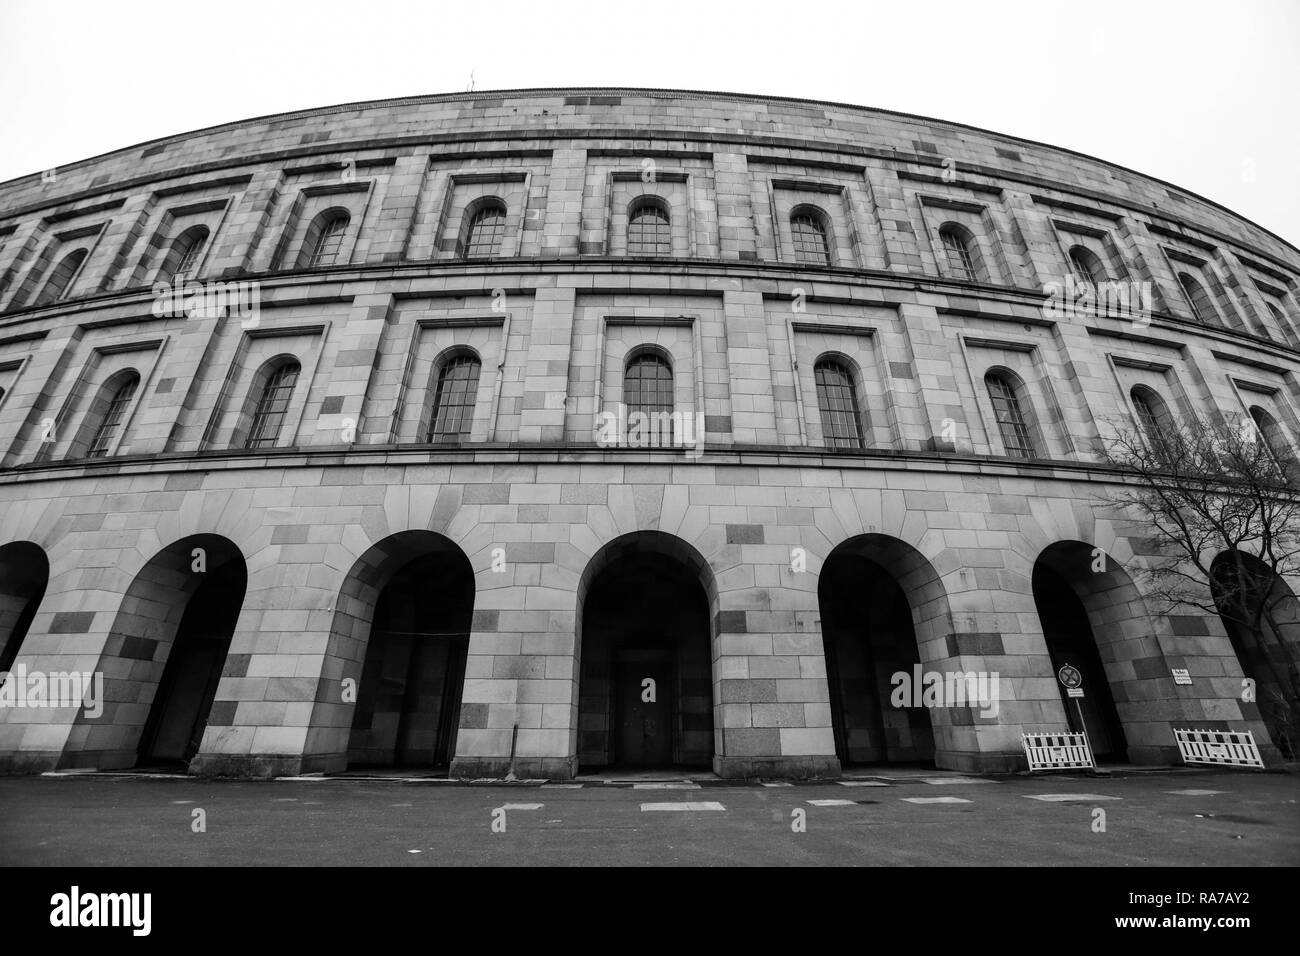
1181, 675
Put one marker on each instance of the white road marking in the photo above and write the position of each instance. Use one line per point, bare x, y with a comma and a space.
942, 781
832, 803
521, 806
1194, 793
934, 800
776, 784
704, 805
1068, 797
561, 786
182, 801
665, 786
861, 783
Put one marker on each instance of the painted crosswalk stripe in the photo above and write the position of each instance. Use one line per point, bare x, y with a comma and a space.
561, 786
832, 803
934, 800
702, 805
1195, 793
943, 781
665, 786
522, 806
1068, 797
861, 783
777, 783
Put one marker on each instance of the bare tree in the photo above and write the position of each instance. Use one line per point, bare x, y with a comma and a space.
1221, 505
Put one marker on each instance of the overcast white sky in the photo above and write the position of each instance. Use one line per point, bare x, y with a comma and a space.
1205, 95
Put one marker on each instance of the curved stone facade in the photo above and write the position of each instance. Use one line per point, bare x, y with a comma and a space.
397, 397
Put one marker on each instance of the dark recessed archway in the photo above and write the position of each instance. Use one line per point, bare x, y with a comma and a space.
401, 637
646, 686
24, 573
1262, 618
869, 636
165, 654
1084, 598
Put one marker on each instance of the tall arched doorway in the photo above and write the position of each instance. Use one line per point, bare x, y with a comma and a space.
1262, 617
646, 686
869, 636
165, 655
409, 695
188, 684
1077, 590
24, 573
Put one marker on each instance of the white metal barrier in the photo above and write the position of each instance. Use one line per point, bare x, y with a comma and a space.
1058, 751
1231, 748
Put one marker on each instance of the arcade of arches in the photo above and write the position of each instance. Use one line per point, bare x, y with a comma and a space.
389, 695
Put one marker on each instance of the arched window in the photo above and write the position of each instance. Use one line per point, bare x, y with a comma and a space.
648, 389
183, 257
486, 229
113, 412
453, 400
273, 406
958, 250
61, 276
1279, 319
323, 244
1086, 266
808, 229
1016, 437
648, 229
1271, 435
837, 400
1202, 308
1152, 413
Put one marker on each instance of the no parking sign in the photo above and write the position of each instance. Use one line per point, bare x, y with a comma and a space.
1071, 679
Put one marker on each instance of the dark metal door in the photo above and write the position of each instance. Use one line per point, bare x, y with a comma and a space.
645, 733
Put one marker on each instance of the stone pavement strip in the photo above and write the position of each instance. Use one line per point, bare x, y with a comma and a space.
1247, 819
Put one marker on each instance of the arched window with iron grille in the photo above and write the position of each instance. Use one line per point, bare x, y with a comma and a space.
273, 406
61, 276
1271, 434
1087, 266
837, 401
1017, 437
111, 408
323, 244
808, 229
485, 229
454, 397
649, 230
959, 251
183, 257
1152, 412
648, 390
1202, 307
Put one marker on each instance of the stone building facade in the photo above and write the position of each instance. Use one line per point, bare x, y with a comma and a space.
386, 492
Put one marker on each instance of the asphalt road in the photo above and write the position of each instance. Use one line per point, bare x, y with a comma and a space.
86, 820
